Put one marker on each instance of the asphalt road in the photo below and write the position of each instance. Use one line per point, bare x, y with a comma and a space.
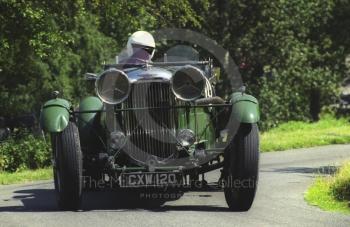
284, 177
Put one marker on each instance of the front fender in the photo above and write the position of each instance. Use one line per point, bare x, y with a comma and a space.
245, 108
54, 116
90, 103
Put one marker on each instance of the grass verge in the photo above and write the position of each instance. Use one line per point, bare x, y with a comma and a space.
331, 193
25, 176
297, 134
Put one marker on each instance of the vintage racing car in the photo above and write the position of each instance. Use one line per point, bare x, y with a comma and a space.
155, 125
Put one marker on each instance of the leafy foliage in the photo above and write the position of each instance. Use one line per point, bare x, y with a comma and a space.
287, 51
291, 53
26, 152
46, 46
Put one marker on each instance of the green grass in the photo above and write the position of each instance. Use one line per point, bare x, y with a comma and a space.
331, 193
295, 134
25, 176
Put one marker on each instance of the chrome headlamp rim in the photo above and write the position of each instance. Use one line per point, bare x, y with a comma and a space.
112, 70
179, 96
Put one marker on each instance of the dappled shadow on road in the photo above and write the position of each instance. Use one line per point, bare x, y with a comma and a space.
33, 200
322, 170
44, 200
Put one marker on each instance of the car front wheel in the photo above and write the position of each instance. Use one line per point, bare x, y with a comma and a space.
67, 167
241, 168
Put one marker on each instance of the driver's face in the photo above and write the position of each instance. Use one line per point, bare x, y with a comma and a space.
140, 53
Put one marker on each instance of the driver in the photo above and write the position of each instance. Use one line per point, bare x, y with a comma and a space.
140, 47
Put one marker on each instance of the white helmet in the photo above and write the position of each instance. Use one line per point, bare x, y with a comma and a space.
141, 39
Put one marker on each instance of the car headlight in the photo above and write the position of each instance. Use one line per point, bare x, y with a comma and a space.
188, 83
113, 86
186, 137
118, 140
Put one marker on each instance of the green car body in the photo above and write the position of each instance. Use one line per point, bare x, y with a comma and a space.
245, 108
55, 115
57, 112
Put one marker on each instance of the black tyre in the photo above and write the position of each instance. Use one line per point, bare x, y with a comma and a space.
241, 168
67, 167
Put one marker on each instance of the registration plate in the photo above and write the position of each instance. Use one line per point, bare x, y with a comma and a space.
149, 179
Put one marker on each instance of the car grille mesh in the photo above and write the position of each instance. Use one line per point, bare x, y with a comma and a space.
150, 131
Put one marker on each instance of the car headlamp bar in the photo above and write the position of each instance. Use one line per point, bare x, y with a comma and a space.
152, 108
173, 107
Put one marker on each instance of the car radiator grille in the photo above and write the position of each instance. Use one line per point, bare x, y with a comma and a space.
150, 131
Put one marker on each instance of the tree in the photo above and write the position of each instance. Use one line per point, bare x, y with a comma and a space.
291, 54
46, 46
